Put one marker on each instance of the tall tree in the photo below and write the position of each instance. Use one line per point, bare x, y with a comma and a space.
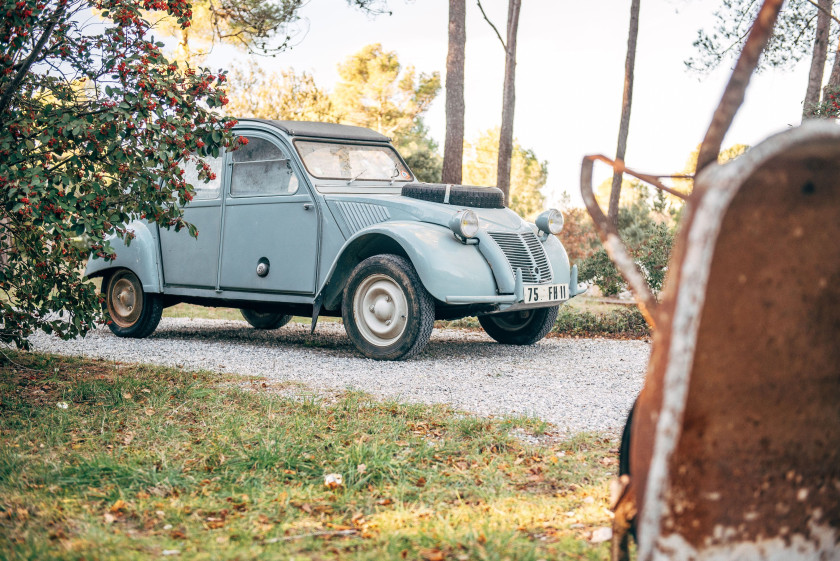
263, 27
818, 58
626, 103
528, 173
794, 38
376, 92
94, 121
282, 95
453, 146
508, 94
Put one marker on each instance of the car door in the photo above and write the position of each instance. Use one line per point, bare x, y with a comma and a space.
194, 261
269, 222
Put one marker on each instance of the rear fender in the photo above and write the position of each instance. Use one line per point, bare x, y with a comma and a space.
141, 257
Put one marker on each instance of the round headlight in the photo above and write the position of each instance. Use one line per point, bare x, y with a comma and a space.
464, 224
550, 221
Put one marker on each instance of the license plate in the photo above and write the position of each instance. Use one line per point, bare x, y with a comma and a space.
546, 293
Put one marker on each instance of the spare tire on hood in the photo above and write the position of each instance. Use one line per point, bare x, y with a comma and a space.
459, 195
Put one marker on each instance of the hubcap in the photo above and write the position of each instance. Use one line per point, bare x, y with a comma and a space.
380, 310
125, 301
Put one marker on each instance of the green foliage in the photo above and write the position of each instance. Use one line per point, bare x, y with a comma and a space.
421, 153
829, 108
93, 122
528, 174
282, 95
624, 322
792, 39
374, 92
261, 27
648, 236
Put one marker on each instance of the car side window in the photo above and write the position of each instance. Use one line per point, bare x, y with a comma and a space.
261, 168
204, 190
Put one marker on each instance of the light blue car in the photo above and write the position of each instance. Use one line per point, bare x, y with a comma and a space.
323, 219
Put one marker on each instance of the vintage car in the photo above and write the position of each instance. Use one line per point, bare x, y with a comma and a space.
324, 219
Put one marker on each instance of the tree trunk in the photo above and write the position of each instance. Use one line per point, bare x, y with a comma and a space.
834, 78
508, 102
453, 146
627, 101
815, 77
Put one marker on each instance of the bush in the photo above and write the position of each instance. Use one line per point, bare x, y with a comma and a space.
648, 237
624, 321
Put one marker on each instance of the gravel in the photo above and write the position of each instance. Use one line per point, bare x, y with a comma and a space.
575, 384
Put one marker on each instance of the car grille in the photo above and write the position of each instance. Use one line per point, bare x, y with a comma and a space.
524, 251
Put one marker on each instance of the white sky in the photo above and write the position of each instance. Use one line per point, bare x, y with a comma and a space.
569, 76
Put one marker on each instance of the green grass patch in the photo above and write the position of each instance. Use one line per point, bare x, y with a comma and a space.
147, 460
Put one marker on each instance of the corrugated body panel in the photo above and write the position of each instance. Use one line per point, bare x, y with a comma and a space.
524, 251
362, 215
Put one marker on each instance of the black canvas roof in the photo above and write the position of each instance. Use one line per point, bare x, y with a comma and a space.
322, 130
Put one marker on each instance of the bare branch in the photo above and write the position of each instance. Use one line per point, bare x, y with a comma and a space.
832, 16
6, 99
483, 13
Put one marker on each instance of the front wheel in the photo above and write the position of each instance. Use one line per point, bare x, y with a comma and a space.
265, 320
523, 327
134, 313
386, 310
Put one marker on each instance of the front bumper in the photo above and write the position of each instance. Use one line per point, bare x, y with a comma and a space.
516, 301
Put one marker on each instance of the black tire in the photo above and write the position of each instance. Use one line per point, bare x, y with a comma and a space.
133, 312
265, 320
386, 310
523, 327
459, 195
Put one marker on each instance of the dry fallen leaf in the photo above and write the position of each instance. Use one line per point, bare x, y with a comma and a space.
361, 468
118, 506
421, 482
150, 412
432, 554
109, 518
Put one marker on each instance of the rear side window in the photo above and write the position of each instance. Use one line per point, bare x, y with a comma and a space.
261, 168
204, 190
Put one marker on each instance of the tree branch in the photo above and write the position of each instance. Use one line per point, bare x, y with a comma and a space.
6, 99
483, 13
832, 16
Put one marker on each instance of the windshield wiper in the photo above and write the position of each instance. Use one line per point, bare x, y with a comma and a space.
349, 181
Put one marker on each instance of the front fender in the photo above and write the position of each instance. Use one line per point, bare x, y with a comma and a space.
558, 258
141, 257
445, 266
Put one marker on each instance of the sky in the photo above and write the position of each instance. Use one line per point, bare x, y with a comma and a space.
569, 76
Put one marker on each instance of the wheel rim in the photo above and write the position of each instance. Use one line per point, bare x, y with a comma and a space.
513, 321
380, 310
125, 299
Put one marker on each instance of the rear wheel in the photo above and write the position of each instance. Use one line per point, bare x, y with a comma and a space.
386, 310
134, 313
523, 327
265, 320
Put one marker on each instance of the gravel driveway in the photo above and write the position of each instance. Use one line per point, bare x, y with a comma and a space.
575, 384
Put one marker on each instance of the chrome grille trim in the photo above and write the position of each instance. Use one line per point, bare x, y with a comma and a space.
524, 251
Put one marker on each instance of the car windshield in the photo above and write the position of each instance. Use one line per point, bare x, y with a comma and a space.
333, 160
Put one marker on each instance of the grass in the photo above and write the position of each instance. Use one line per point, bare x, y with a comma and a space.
147, 461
